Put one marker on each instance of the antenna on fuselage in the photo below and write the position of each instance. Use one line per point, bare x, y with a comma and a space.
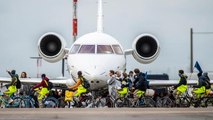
100, 16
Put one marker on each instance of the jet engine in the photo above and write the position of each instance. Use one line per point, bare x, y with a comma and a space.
146, 48
51, 47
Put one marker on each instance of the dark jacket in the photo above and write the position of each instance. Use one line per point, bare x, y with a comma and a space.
207, 81
140, 82
201, 82
183, 81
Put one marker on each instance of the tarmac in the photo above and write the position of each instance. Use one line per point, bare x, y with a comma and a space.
107, 114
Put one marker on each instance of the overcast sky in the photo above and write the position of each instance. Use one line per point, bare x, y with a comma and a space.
22, 22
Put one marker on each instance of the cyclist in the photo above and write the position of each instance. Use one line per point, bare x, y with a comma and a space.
78, 87
181, 87
12, 87
139, 84
124, 85
200, 88
42, 89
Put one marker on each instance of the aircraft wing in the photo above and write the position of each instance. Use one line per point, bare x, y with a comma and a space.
35, 80
165, 83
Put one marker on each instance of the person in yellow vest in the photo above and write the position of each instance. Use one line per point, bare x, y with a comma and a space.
124, 85
181, 87
78, 87
200, 89
42, 89
139, 84
12, 86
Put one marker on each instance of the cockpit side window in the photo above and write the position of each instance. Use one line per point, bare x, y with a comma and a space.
117, 49
74, 49
104, 49
87, 49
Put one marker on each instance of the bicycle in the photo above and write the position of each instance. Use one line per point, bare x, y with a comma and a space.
81, 101
100, 98
181, 99
209, 101
202, 100
142, 100
17, 102
122, 101
48, 101
164, 101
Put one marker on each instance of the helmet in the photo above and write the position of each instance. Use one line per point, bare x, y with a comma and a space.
199, 74
79, 73
13, 72
181, 72
205, 74
43, 76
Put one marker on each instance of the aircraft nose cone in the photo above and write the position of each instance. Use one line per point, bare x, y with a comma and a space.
96, 84
97, 78
95, 73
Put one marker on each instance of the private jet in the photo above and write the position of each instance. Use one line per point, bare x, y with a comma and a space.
95, 54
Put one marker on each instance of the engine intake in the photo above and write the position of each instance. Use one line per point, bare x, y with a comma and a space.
51, 47
146, 48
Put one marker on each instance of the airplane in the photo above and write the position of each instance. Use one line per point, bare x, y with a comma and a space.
95, 54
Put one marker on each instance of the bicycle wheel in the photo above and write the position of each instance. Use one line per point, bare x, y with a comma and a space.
167, 102
159, 102
2, 103
122, 102
30, 102
61, 102
209, 102
99, 102
50, 102
109, 102
149, 102
183, 102
85, 101
17, 103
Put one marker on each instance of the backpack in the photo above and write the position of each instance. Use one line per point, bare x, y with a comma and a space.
207, 84
49, 85
18, 83
85, 83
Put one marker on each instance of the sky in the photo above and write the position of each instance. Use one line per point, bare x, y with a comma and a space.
23, 22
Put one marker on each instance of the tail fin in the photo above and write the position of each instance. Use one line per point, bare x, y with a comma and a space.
100, 16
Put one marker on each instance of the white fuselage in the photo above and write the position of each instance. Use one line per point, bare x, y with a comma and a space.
94, 65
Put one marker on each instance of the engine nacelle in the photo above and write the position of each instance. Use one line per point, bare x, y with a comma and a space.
51, 47
146, 48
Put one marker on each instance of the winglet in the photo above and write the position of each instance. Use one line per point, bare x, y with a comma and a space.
100, 17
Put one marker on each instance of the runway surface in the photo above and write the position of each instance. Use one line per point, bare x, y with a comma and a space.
108, 114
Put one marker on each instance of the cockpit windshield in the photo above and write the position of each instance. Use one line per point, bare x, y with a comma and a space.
101, 49
117, 49
104, 49
74, 49
87, 49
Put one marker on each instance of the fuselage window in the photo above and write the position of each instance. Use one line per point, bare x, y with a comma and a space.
104, 49
87, 49
117, 49
74, 49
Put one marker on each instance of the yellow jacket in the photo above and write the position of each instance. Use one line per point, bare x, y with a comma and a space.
74, 87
